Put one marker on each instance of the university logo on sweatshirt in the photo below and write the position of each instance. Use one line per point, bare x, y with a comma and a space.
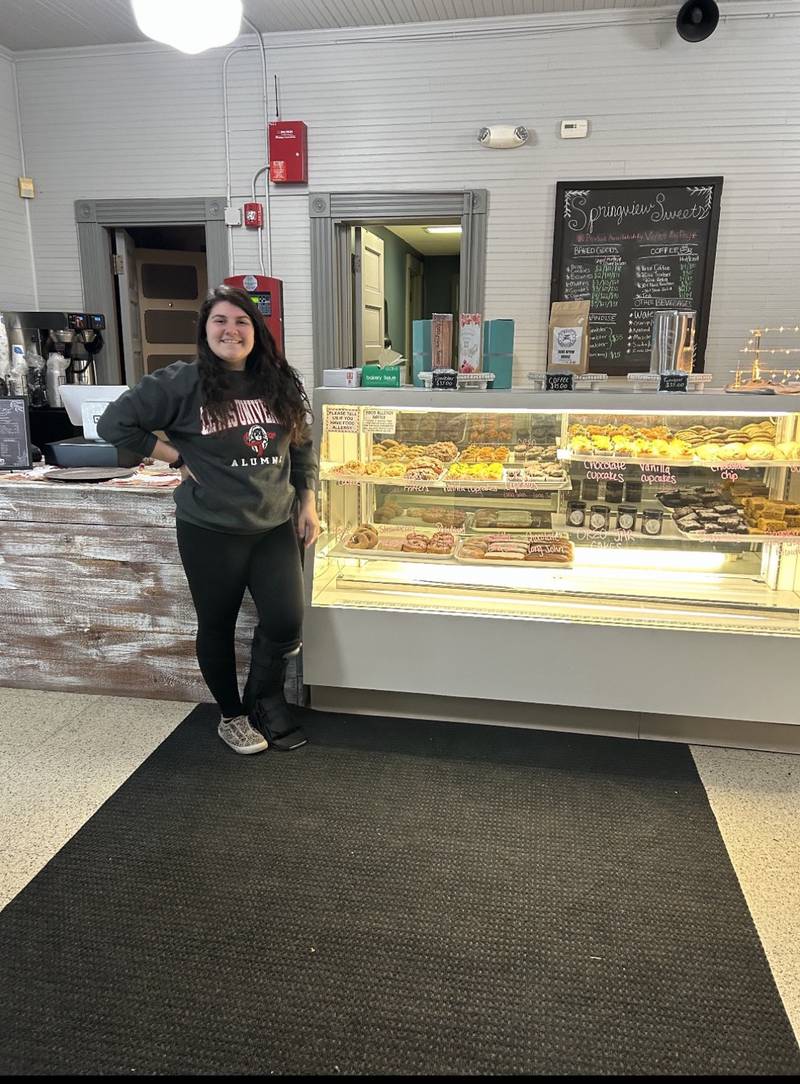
259, 434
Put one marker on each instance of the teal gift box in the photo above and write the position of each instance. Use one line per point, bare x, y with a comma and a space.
421, 356
498, 351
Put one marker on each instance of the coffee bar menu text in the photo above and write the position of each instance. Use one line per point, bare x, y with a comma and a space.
630, 249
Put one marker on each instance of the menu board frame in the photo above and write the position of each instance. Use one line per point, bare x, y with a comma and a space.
24, 435
708, 256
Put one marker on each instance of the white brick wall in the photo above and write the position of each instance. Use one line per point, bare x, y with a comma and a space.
16, 271
385, 111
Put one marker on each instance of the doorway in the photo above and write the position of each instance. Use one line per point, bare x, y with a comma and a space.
334, 216
97, 221
162, 278
401, 273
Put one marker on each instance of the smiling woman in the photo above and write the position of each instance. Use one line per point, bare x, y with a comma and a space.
230, 334
237, 423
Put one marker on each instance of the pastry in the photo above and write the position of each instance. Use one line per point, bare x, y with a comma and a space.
415, 545
473, 552
734, 450
363, 538
759, 450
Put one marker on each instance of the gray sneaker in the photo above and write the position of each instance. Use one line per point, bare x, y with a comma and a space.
241, 736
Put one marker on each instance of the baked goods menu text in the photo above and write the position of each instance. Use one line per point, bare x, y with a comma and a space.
631, 248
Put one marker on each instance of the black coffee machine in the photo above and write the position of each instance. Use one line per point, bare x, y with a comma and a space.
77, 337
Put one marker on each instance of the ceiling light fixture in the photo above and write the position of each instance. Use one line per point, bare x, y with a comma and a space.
442, 229
191, 26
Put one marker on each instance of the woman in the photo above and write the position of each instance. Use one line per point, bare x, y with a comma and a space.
237, 421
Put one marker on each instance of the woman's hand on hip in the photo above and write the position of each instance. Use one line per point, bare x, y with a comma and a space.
308, 525
186, 473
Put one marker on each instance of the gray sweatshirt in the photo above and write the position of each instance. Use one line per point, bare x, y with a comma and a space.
247, 472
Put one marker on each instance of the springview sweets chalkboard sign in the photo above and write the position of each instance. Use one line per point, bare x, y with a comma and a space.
15, 437
631, 248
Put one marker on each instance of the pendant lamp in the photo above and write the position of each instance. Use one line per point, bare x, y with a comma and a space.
189, 25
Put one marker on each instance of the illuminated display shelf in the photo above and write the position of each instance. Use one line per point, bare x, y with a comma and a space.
595, 632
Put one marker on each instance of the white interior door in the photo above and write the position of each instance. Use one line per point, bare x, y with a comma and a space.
171, 287
130, 317
370, 294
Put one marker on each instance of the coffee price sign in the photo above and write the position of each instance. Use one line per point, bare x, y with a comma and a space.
559, 382
342, 419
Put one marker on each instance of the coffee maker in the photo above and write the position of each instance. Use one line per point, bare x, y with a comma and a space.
76, 335
78, 342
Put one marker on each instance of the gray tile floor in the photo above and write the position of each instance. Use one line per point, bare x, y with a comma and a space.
63, 754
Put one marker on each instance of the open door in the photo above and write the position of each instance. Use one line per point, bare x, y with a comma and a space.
172, 285
130, 326
369, 290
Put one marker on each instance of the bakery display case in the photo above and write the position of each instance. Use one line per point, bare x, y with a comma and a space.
560, 548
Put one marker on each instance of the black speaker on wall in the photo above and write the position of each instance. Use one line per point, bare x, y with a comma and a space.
697, 20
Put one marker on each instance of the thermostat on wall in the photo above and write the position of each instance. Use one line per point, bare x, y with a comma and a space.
574, 129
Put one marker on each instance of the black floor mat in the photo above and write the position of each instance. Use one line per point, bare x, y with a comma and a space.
396, 897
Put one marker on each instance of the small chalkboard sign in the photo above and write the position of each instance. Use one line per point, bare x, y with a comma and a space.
445, 379
15, 435
559, 382
673, 382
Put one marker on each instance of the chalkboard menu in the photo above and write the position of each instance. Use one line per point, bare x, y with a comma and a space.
631, 248
15, 438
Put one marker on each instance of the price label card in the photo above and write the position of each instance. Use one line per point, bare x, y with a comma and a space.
379, 420
673, 382
342, 419
444, 380
559, 382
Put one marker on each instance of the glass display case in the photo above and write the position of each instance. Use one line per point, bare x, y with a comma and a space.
643, 515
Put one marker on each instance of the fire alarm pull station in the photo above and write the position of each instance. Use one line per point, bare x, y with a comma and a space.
267, 295
253, 216
288, 152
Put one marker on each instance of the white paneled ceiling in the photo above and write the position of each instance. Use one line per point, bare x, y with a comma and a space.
61, 24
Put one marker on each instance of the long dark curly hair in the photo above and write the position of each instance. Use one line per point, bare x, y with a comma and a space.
272, 377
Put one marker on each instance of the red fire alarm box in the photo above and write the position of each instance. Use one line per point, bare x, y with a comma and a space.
267, 295
288, 152
253, 216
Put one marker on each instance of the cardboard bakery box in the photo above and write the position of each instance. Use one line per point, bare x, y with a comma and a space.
341, 378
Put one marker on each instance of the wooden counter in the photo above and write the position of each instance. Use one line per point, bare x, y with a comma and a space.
94, 598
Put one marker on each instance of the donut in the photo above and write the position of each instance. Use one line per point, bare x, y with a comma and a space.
362, 540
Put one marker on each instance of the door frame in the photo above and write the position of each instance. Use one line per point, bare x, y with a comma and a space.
412, 274
332, 213
96, 218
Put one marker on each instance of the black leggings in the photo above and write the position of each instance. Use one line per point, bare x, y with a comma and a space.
219, 567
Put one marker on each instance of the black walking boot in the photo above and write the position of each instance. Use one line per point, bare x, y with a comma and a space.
263, 697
